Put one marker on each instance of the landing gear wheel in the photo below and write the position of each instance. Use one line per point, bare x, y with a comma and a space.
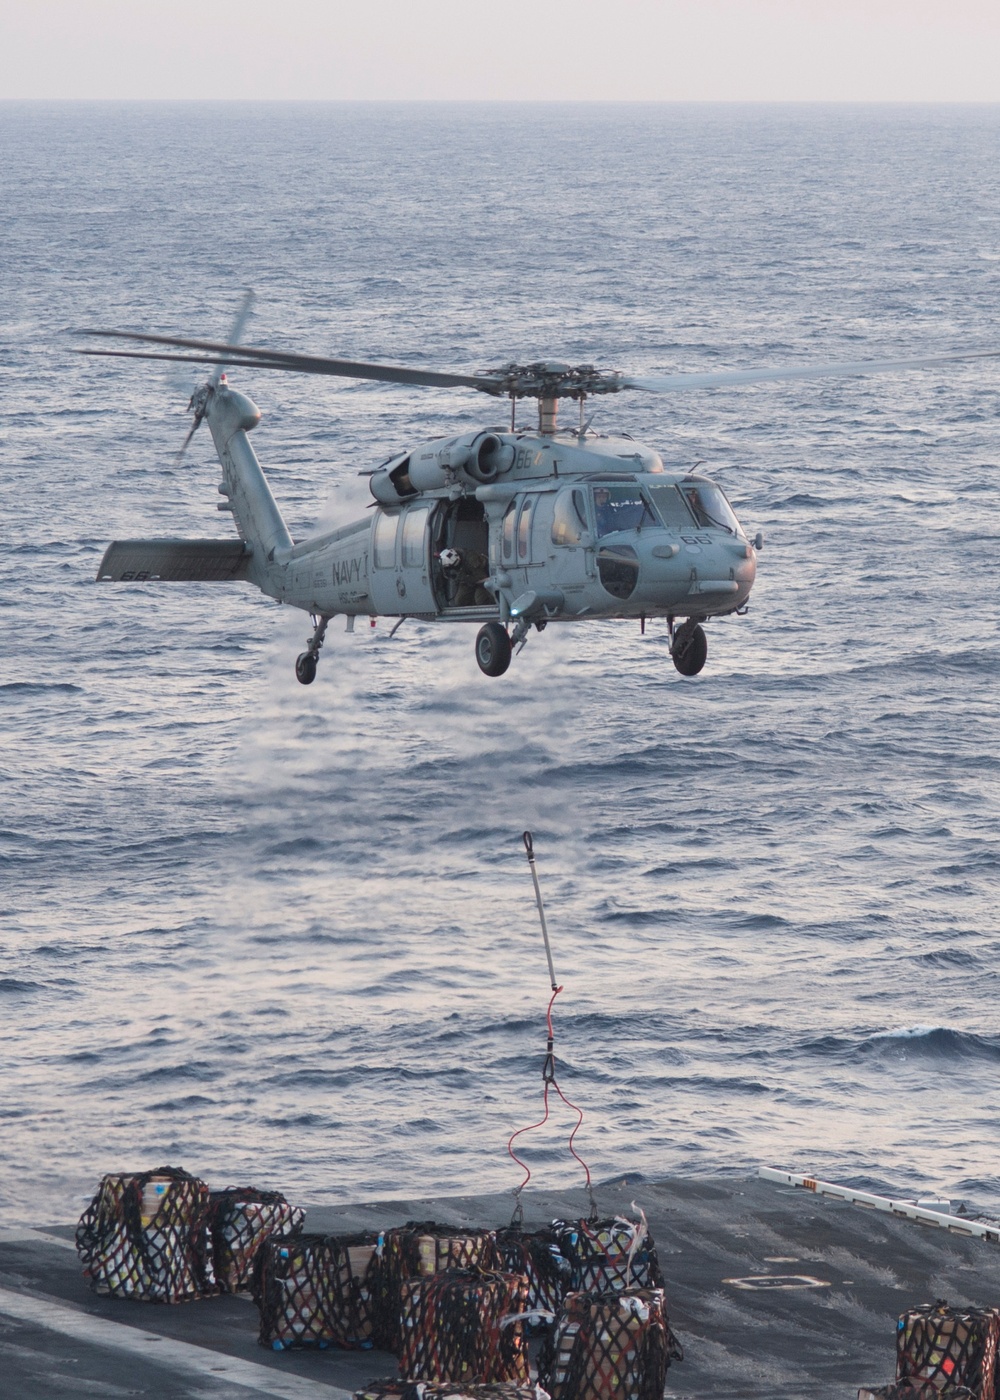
690, 648
305, 668
493, 649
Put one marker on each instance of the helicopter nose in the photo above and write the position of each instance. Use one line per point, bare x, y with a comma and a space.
745, 571
745, 568
729, 569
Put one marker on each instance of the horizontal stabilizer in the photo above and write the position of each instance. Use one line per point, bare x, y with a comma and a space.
174, 561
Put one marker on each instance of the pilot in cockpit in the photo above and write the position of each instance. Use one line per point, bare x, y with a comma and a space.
604, 510
620, 508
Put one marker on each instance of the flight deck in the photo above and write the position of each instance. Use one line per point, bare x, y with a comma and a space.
774, 1293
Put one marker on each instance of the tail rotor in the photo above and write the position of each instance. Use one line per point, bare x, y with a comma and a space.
201, 397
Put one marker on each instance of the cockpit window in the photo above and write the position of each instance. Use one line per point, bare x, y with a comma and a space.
569, 518
670, 507
621, 508
709, 506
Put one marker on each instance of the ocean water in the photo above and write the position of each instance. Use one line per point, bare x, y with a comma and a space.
287, 936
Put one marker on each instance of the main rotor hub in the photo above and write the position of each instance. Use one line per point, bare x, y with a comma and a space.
548, 379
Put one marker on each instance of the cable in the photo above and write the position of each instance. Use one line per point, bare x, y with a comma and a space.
549, 1079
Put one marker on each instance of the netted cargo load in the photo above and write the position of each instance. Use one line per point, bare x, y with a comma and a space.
418, 1250
143, 1237
609, 1346
239, 1220
608, 1255
315, 1291
394, 1389
536, 1255
944, 1353
464, 1326
913, 1390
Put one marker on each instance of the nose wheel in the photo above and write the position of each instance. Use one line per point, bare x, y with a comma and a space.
689, 647
307, 661
305, 668
493, 649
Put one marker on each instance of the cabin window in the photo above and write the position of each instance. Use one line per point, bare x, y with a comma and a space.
508, 532
524, 530
621, 508
670, 507
385, 541
569, 519
414, 530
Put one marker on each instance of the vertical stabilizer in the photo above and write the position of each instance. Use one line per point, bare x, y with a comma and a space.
230, 416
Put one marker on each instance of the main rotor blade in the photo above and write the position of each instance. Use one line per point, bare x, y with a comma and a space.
719, 379
220, 352
183, 359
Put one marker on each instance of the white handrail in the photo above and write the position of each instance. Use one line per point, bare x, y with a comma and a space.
907, 1210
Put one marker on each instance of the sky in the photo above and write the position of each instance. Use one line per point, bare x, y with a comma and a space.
536, 50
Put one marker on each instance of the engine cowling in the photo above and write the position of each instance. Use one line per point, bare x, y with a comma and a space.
478, 457
489, 457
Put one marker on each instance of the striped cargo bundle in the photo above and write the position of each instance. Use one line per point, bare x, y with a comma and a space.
418, 1250
609, 1346
143, 1237
608, 1255
464, 1326
314, 1291
240, 1219
944, 1352
536, 1255
395, 1389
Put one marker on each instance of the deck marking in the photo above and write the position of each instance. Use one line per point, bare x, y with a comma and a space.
769, 1282
27, 1236
83, 1326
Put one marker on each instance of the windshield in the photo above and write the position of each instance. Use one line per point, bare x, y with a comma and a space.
709, 506
621, 508
670, 507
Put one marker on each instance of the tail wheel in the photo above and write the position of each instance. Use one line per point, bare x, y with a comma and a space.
305, 668
493, 650
690, 648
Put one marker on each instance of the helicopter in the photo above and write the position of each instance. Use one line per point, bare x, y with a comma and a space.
509, 527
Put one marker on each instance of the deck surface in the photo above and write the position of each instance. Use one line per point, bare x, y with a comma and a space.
58, 1340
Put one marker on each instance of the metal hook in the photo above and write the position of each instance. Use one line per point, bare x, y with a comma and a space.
529, 848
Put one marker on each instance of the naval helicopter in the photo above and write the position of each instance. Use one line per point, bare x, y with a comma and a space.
509, 527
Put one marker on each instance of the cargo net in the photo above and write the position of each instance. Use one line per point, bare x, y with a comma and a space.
314, 1291
418, 1250
608, 1255
239, 1220
536, 1255
609, 1346
143, 1237
465, 1326
393, 1389
945, 1352
913, 1389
